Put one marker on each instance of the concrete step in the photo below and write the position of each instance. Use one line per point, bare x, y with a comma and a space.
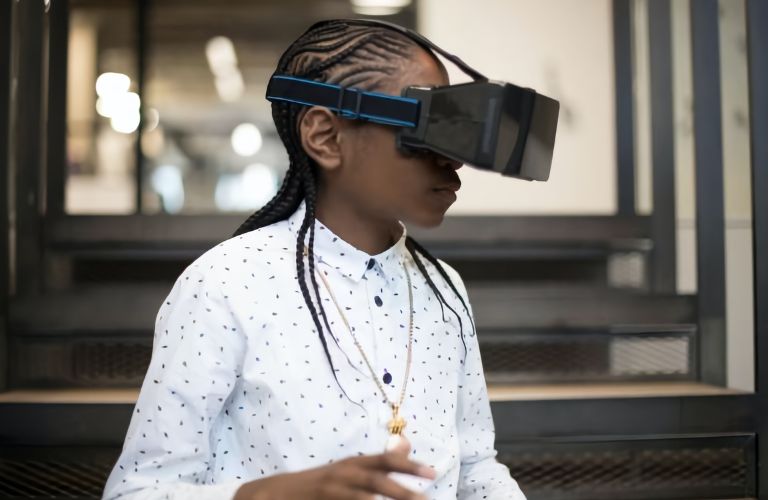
496, 392
133, 307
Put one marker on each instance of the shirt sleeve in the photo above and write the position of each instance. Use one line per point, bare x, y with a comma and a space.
481, 476
196, 362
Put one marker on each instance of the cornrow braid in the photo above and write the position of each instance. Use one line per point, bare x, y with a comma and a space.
308, 226
416, 246
346, 54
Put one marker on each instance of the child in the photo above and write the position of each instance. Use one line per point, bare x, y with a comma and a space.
287, 358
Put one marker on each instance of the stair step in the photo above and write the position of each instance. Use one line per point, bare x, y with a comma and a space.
71, 396
499, 306
133, 307
534, 392
76, 232
496, 392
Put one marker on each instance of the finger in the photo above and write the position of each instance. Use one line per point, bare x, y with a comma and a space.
372, 481
395, 462
398, 444
343, 491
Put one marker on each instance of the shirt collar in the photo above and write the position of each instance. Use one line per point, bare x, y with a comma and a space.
346, 259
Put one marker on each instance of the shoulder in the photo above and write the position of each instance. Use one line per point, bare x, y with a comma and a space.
255, 250
452, 273
455, 277
458, 284
243, 261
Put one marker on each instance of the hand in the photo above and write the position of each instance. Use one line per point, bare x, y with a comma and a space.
357, 478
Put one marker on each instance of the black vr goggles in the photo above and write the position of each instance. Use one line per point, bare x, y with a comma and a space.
485, 124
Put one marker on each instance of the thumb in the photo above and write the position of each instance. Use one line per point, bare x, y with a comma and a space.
399, 445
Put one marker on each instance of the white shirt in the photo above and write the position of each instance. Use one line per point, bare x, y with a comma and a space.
239, 387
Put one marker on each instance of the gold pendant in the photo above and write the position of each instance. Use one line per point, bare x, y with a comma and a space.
397, 423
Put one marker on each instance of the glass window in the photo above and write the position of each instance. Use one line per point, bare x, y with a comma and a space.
207, 142
739, 271
102, 107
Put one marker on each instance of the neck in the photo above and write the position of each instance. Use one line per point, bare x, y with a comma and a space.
367, 233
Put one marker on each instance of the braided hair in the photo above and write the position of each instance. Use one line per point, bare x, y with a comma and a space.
342, 53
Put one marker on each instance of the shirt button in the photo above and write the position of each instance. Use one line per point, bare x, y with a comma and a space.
378, 301
371, 263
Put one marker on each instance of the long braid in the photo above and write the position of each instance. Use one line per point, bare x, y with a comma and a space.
349, 55
415, 249
308, 226
416, 246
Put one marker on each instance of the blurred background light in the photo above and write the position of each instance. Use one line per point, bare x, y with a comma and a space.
153, 142
246, 139
123, 111
379, 7
125, 123
167, 182
112, 105
231, 87
220, 53
151, 119
117, 103
251, 189
112, 83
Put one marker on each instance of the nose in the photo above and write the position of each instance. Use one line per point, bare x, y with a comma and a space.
448, 162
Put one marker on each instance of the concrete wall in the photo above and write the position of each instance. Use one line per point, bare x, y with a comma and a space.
737, 184
563, 49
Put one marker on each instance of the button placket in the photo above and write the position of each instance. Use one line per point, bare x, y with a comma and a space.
348, 301
380, 352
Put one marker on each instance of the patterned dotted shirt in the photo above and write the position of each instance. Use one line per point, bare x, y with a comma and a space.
239, 386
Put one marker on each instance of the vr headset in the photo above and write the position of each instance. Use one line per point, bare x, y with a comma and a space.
489, 125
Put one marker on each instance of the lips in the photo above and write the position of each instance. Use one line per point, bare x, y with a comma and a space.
450, 186
453, 184
447, 192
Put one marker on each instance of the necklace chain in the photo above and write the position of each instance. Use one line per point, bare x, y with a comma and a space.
397, 424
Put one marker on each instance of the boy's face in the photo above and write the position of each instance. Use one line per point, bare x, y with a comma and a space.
386, 184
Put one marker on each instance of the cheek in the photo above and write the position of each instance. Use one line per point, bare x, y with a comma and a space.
399, 164
378, 153
371, 143
383, 169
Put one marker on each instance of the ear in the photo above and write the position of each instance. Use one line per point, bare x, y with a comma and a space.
319, 129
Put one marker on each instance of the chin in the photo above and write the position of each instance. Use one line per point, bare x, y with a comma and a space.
427, 219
